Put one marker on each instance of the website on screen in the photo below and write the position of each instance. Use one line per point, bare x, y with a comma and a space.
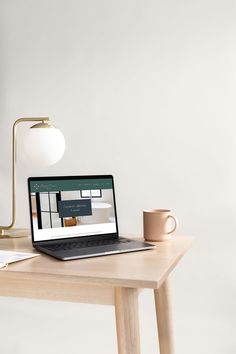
72, 208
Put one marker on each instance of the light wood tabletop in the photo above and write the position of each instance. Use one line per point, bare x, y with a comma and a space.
112, 280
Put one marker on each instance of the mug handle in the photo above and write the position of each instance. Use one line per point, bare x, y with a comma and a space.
175, 225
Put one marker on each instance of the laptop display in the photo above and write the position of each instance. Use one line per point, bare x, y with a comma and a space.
67, 207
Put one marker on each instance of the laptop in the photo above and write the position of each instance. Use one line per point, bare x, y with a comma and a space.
75, 217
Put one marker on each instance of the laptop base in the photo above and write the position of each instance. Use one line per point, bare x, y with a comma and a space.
104, 250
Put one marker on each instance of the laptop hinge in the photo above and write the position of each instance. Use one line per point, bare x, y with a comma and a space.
78, 238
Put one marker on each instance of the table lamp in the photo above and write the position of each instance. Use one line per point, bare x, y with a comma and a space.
44, 144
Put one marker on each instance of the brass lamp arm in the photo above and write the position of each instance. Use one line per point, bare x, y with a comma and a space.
20, 120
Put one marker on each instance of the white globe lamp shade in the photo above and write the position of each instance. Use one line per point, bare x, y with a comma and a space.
44, 145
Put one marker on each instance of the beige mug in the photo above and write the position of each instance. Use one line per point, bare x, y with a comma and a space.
157, 226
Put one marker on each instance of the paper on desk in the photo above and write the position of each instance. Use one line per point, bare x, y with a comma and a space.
7, 257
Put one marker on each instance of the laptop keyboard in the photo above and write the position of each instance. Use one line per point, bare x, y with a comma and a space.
84, 243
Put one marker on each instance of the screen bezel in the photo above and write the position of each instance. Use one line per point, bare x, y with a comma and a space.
48, 178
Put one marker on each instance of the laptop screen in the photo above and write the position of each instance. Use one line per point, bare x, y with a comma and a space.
65, 207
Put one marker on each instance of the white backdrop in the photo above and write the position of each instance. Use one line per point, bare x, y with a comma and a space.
144, 90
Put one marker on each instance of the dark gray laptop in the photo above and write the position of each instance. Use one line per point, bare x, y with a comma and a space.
75, 217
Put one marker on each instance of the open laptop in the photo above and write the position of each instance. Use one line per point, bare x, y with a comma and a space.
75, 217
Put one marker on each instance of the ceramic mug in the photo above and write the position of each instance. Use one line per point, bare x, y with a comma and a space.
157, 224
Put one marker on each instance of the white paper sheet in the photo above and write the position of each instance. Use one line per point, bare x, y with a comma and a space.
7, 257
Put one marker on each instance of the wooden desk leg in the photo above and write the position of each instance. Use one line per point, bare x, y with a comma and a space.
164, 318
127, 320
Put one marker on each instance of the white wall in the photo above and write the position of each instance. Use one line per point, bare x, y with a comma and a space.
144, 90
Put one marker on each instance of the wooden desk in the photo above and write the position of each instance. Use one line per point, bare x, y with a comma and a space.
112, 280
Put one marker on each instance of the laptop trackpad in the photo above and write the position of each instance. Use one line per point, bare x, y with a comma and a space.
86, 252
98, 250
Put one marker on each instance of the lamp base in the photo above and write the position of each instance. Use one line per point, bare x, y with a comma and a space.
14, 233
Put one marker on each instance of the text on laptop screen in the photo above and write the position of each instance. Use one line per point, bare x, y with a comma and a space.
64, 208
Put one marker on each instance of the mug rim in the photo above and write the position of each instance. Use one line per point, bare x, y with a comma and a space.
157, 211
